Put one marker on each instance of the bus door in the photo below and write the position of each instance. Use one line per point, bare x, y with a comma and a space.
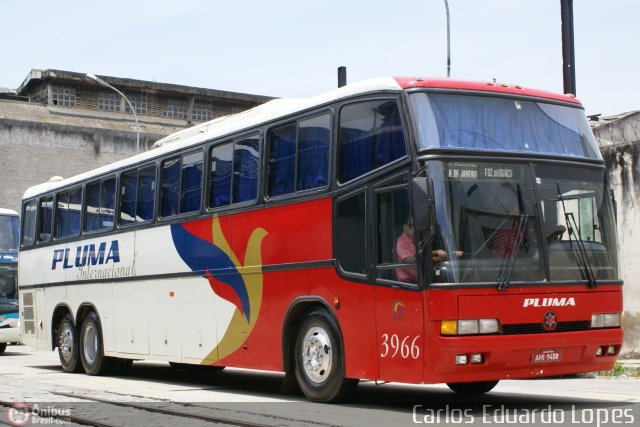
398, 302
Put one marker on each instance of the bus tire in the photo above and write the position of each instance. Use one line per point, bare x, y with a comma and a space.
3, 347
68, 350
319, 364
469, 389
92, 348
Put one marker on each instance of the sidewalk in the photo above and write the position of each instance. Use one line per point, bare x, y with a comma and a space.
630, 363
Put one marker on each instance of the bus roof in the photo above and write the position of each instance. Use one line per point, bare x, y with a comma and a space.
277, 108
8, 212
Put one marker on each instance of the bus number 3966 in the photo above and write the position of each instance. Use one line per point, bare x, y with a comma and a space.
393, 345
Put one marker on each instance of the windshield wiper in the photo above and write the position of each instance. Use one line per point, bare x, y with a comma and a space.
509, 258
583, 258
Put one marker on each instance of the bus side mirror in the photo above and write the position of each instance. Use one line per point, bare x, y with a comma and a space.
421, 202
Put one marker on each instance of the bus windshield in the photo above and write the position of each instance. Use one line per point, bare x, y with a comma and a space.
504, 218
9, 230
501, 124
9, 240
8, 285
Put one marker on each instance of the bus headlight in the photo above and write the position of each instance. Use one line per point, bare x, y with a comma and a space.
605, 320
469, 327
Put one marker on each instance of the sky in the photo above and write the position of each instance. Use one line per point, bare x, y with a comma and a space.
292, 49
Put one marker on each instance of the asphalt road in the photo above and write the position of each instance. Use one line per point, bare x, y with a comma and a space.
152, 393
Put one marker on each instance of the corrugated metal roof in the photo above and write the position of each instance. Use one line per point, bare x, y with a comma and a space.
7, 90
37, 113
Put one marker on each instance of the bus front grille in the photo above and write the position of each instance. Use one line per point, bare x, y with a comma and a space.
538, 328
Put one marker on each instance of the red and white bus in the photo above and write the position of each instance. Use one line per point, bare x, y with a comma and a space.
399, 229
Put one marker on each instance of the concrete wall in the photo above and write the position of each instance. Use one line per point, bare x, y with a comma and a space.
619, 141
31, 153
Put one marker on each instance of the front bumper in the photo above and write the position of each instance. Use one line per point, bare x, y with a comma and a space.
510, 357
11, 334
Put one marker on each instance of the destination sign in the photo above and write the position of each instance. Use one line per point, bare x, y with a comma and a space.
474, 171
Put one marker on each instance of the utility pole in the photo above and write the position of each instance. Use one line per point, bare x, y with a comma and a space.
568, 52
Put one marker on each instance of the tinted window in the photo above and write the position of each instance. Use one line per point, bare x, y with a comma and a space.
484, 123
234, 172
137, 195
191, 182
128, 197
351, 244
282, 160
68, 205
181, 184
314, 136
29, 215
170, 196
45, 213
370, 136
298, 156
221, 174
146, 193
246, 158
99, 211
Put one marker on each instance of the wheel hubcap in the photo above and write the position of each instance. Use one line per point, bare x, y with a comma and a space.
317, 355
66, 343
90, 344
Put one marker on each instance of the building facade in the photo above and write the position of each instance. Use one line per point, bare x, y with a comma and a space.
619, 141
61, 123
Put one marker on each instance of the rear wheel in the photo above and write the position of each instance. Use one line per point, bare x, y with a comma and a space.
472, 388
3, 347
68, 345
92, 348
319, 362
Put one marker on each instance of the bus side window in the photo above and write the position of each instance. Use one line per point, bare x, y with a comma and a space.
370, 136
100, 206
67, 217
314, 137
181, 184
170, 187
29, 217
299, 156
146, 193
282, 160
45, 213
191, 190
246, 158
137, 195
220, 176
351, 239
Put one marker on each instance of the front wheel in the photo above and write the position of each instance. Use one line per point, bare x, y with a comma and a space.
3, 347
92, 348
319, 362
468, 389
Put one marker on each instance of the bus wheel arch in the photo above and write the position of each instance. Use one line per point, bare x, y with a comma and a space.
316, 355
295, 315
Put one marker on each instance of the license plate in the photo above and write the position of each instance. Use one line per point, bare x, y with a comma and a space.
545, 356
